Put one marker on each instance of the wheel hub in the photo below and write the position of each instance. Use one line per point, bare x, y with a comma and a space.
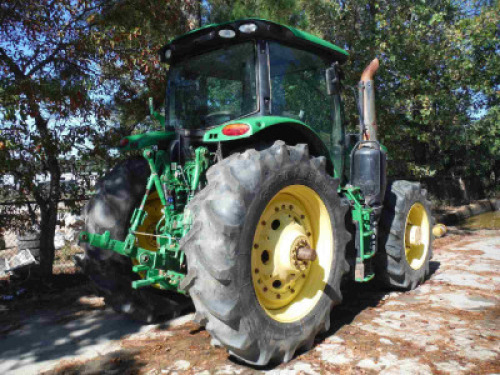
414, 233
417, 236
287, 271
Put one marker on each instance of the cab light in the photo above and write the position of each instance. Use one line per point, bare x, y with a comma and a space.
227, 33
235, 129
168, 54
248, 28
123, 142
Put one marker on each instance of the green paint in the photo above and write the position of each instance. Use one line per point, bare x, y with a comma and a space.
314, 39
296, 32
141, 141
175, 187
256, 124
361, 214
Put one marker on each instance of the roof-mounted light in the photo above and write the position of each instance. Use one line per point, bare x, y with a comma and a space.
248, 28
168, 54
227, 33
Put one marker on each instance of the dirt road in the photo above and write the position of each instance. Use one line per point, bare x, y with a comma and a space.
451, 324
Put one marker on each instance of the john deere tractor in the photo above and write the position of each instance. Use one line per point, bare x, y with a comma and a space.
252, 202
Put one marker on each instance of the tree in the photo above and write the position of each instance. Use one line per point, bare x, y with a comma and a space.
439, 62
128, 37
52, 106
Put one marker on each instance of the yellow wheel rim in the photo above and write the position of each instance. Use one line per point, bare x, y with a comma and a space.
417, 236
288, 288
154, 215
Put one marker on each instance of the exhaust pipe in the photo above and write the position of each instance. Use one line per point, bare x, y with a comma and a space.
366, 89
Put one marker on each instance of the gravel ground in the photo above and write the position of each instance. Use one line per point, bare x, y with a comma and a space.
449, 325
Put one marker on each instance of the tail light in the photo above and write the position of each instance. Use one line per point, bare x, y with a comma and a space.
235, 129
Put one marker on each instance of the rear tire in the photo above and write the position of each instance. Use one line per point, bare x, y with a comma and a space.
111, 208
220, 244
402, 264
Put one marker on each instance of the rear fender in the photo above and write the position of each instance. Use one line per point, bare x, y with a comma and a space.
267, 129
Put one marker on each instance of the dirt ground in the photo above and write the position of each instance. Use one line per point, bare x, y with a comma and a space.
450, 324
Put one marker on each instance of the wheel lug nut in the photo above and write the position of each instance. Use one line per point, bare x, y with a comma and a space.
265, 289
263, 222
278, 296
256, 270
256, 246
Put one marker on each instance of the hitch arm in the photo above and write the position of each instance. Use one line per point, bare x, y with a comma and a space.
150, 262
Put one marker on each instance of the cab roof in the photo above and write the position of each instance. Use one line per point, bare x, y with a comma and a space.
208, 37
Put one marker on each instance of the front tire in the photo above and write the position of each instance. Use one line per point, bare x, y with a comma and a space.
251, 197
405, 236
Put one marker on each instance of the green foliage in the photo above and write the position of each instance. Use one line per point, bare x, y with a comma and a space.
437, 88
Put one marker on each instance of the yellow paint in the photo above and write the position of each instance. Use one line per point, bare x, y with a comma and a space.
154, 215
288, 289
439, 230
417, 236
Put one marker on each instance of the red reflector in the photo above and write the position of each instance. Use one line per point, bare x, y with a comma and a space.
123, 142
235, 129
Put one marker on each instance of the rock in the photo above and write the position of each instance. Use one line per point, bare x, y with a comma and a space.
453, 367
181, 365
335, 354
460, 300
228, 370
386, 341
407, 367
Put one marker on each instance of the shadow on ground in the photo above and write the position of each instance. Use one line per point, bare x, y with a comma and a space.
49, 323
117, 362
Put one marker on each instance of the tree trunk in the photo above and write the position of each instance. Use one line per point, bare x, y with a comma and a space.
47, 234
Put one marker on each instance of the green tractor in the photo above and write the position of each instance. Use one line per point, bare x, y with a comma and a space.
253, 203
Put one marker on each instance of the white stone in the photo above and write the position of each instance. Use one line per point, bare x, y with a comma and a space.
228, 370
369, 364
387, 360
303, 367
335, 354
335, 339
181, 365
407, 367
395, 303
386, 341
431, 348
478, 353
460, 300
453, 367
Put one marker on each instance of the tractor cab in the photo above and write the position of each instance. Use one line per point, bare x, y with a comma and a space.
252, 71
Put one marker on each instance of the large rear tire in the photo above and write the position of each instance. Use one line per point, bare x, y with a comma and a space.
405, 236
117, 194
248, 291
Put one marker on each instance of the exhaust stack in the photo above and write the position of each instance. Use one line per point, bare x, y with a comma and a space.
367, 102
